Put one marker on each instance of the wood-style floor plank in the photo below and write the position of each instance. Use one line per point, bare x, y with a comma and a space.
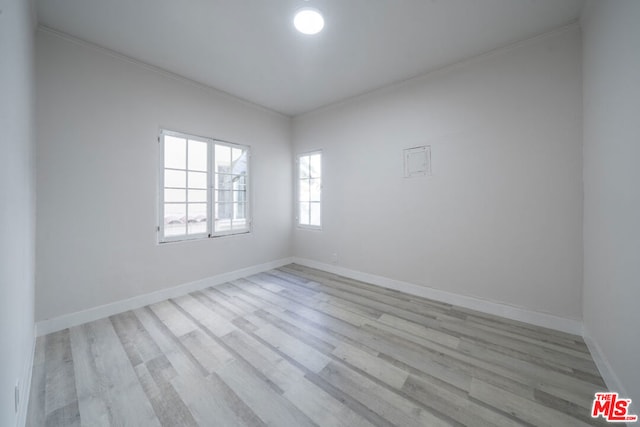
61, 399
387, 404
207, 396
302, 347
271, 407
524, 409
106, 380
167, 404
36, 415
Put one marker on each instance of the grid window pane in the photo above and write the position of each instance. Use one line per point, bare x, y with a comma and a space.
238, 182
198, 156
303, 190
240, 196
197, 222
304, 167
175, 179
238, 162
224, 210
239, 211
314, 211
223, 216
197, 195
175, 152
315, 166
171, 195
175, 219
222, 159
314, 190
230, 216
197, 228
239, 224
223, 196
198, 180
224, 182
197, 212
304, 213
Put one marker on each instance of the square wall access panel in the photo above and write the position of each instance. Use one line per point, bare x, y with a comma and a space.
417, 161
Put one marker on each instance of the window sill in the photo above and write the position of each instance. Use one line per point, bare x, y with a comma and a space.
309, 227
204, 238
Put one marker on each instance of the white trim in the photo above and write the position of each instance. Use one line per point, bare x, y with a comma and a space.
48, 326
25, 389
606, 370
520, 314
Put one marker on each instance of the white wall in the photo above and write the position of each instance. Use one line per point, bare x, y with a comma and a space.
501, 217
611, 34
98, 117
17, 204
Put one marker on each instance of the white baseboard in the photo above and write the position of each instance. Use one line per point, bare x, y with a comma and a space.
546, 320
25, 389
606, 370
490, 307
74, 319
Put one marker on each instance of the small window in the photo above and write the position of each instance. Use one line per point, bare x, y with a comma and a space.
309, 210
203, 187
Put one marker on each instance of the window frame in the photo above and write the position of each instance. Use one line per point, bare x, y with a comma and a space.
297, 190
247, 201
210, 232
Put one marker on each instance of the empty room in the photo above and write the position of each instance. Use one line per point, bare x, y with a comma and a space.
319, 213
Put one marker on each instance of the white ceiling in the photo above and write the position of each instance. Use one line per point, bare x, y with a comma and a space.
250, 49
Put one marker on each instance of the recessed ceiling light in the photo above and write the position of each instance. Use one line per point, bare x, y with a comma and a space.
308, 21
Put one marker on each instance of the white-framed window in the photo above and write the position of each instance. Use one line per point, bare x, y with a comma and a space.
203, 187
309, 189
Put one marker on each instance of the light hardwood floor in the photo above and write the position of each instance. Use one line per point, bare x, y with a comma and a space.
301, 347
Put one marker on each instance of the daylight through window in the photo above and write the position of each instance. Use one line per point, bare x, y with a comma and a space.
309, 189
203, 187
